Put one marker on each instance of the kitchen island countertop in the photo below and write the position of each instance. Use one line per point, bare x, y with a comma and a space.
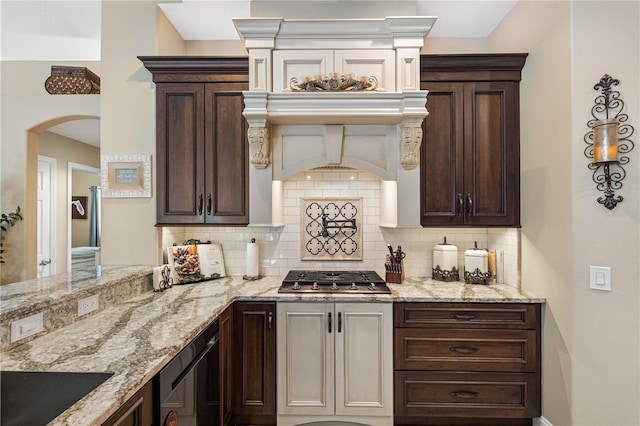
136, 338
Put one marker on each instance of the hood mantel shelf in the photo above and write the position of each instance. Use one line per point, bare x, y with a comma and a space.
354, 108
379, 131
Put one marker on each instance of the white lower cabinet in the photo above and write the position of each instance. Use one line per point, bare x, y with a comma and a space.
335, 363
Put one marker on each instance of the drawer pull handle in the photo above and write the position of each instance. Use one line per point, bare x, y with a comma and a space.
464, 394
464, 349
464, 317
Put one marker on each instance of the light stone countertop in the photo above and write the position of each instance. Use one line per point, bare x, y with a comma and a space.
137, 337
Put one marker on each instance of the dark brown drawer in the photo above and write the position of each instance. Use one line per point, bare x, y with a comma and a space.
499, 395
467, 315
471, 350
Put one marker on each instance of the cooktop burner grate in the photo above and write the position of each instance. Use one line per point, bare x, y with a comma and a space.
302, 281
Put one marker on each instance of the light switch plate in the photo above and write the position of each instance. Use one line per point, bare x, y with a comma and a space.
25, 327
600, 278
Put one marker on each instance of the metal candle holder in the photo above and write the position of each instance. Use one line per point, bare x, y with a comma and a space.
609, 136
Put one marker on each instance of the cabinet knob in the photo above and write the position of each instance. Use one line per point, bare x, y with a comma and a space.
460, 204
329, 316
270, 320
339, 322
200, 203
469, 204
208, 204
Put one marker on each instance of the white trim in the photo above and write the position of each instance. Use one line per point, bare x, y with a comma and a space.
71, 166
541, 421
52, 212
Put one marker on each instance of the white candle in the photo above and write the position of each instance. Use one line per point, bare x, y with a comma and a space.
253, 258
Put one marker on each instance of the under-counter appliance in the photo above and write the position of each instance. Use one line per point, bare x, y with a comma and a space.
187, 389
302, 281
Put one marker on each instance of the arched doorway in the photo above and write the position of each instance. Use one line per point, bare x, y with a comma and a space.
61, 144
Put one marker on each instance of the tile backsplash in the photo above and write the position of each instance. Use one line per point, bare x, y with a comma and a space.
280, 248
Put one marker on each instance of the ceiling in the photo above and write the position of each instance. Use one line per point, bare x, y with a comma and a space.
85, 130
69, 30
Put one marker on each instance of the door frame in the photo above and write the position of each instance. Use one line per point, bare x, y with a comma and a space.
71, 166
53, 178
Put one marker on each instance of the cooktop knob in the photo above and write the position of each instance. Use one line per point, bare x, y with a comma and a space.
295, 286
315, 286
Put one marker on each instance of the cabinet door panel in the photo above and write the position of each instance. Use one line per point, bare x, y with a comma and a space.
491, 153
442, 155
254, 363
305, 358
180, 151
288, 64
364, 359
226, 364
227, 172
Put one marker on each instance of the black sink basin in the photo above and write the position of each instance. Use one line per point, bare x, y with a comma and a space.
32, 398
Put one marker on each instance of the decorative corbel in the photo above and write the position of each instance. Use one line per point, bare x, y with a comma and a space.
259, 147
410, 144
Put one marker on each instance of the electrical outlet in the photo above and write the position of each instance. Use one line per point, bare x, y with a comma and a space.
25, 327
88, 304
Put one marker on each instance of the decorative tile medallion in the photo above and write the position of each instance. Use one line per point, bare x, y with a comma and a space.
331, 229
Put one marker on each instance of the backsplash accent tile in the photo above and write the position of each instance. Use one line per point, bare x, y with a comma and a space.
331, 228
280, 247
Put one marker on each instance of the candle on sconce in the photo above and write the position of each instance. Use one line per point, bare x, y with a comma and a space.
605, 140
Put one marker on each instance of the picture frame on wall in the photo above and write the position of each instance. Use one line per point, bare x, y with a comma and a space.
125, 176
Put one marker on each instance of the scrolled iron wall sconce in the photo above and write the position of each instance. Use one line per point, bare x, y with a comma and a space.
608, 138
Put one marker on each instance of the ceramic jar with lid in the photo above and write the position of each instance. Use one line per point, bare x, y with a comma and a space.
445, 262
476, 266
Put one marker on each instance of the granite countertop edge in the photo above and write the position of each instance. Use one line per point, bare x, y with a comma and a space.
137, 338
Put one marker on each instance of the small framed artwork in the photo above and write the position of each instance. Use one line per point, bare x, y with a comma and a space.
125, 176
78, 207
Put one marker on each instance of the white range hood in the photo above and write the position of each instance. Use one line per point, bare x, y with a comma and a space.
292, 129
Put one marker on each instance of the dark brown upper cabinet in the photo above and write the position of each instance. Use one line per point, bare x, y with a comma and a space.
201, 143
470, 153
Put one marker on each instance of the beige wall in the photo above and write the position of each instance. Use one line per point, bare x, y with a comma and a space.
28, 110
606, 344
591, 369
128, 125
546, 206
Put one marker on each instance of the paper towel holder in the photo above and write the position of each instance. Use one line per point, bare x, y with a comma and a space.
252, 278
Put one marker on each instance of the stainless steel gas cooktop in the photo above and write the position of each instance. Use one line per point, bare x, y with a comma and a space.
334, 282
